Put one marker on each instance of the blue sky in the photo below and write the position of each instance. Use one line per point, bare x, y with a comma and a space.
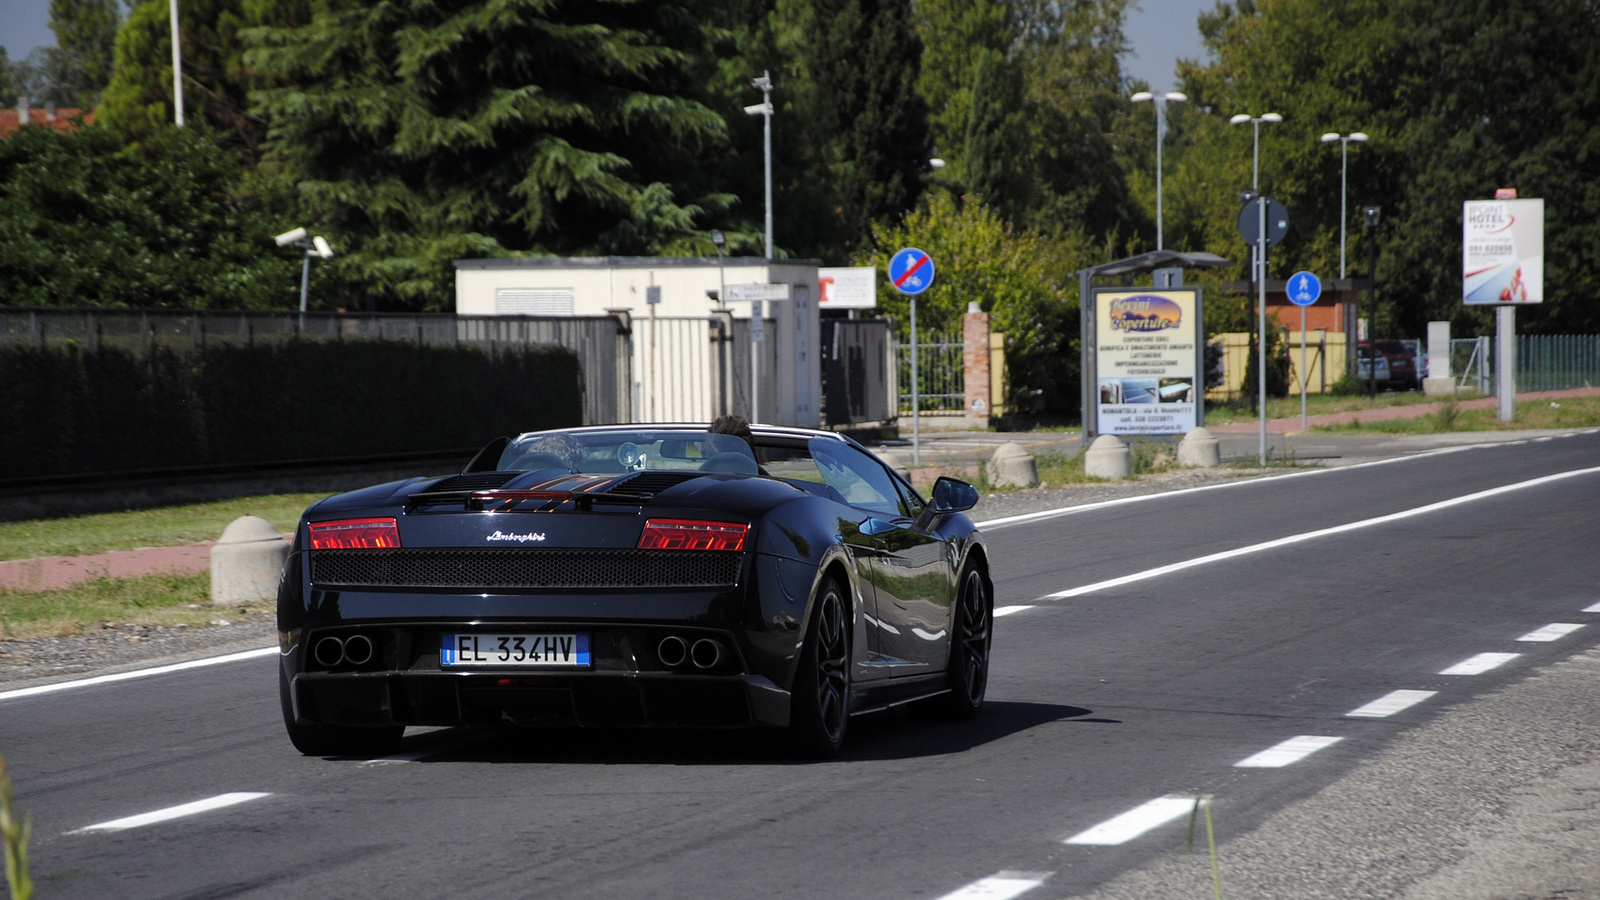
1161, 32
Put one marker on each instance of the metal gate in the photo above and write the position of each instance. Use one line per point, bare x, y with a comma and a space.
857, 357
942, 382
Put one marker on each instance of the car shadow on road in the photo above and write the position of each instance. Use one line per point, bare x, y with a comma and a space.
899, 733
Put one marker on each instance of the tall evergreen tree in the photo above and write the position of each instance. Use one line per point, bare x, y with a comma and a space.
992, 148
865, 58
423, 132
956, 35
81, 62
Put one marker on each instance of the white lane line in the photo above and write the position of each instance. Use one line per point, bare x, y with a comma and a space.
1555, 631
999, 886
1319, 533
1145, 498
173, 812
137, 673
1479, 664
1008, 610
1144, 817
1594, 609
1389, 704
1287, 753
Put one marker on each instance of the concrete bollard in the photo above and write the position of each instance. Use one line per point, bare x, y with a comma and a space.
1012, 466
1107, 457
246, 562
1199, 449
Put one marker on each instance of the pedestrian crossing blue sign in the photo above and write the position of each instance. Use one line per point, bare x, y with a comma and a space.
1304, 288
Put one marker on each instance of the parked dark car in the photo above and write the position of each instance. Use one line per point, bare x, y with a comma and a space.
1405, 372
631, 576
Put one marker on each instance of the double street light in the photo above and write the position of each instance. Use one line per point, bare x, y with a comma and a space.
1160, 101
1344, 177
1259, 264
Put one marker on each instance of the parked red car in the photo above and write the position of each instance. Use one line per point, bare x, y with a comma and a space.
1405, 372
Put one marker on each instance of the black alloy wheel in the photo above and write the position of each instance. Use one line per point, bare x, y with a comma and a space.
821, 692
970, 639
334, 740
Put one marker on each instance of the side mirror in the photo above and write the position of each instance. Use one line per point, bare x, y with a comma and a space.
953, 495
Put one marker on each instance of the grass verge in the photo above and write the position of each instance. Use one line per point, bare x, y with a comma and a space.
166, 527
161, 600
1316, 405
1571, 412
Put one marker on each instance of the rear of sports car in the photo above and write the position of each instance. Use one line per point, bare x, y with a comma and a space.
537, 598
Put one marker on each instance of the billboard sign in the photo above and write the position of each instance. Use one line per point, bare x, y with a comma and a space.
1502, 252
1147, 360
848, 287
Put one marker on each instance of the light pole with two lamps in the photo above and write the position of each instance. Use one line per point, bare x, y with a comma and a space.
313, 246
1259, 263
1353, 347
1161, 101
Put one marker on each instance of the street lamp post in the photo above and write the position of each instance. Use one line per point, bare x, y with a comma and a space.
764, 109
1260, 264
177, 69
1371, 213
1161, 101
1344, 178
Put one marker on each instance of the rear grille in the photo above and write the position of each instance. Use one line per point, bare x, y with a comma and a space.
476, 481
525, 568
652, 483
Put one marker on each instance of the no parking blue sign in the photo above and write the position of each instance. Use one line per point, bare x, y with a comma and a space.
1304, 288
911, 271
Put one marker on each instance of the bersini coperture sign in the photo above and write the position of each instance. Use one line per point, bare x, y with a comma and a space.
1147, 360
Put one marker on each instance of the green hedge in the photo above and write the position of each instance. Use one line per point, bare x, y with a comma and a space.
68, 410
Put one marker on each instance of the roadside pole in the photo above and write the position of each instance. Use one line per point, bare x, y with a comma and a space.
911, 273
1303, 288
1506, 361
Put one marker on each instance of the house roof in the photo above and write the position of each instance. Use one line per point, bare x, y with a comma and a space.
64, 119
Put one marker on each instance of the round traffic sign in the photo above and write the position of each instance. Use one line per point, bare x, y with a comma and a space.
911, 271
1250, 217
1304, 288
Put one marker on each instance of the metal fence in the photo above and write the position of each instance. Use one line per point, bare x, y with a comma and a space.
1557, 361
940, 364
603, 358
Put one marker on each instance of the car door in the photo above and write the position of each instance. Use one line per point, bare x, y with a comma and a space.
912, 577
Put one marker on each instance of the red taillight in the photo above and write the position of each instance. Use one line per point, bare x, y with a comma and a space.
355, 534
690, 534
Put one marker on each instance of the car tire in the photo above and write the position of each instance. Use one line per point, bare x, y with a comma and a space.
334, 740
820, 709
971, 636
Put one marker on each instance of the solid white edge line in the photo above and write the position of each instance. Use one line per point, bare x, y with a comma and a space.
1008, 610
1142, 818
1320, 533
1592, 609
1477, 665
1555, 631
1287, 752
1389, 704
999, 886
136, 673
173, 812
1142, 498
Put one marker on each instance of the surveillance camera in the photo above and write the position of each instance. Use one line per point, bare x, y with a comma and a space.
719, 239
761, 82
291, 237
320, 243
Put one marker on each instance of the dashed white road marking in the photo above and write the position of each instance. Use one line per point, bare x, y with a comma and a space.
174, 812
1291, 751
1008, 610
1555, 631
1389, 704
1594, 609
1319, 533
1142, 818
1479, 664
137, 673
999, 886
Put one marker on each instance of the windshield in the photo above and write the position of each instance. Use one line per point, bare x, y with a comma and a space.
616, 452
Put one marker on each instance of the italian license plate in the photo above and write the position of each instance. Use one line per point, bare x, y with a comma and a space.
538, 650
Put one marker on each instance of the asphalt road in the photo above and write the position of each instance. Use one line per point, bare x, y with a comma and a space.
1177, 646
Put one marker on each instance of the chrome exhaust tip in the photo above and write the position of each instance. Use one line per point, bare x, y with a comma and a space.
706, 653
672, 651
358, 650
329, 651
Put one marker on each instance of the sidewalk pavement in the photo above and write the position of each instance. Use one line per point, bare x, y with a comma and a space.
1388, 413
49, 573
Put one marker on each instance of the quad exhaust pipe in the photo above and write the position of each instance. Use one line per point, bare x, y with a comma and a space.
356, 650
672, 651
706, 653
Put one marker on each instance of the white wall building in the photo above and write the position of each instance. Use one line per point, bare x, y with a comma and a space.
685, 368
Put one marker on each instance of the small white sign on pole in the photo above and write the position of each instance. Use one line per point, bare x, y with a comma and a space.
758, 323
748, 293
850, 287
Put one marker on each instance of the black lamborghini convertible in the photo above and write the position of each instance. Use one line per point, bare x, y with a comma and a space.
634, 575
